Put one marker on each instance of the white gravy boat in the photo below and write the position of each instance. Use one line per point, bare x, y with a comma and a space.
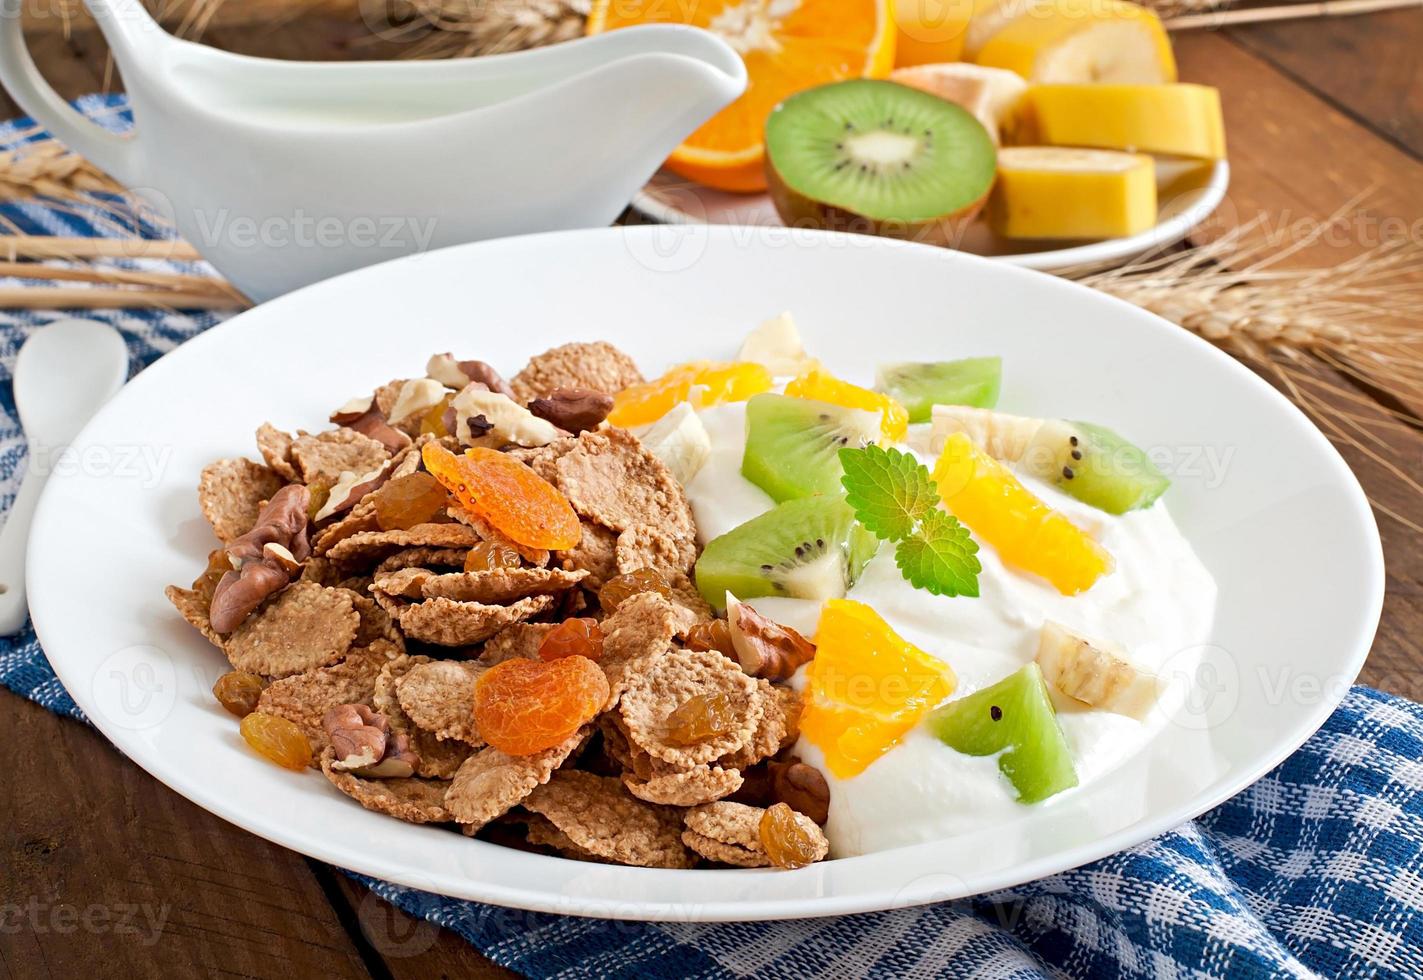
282, 173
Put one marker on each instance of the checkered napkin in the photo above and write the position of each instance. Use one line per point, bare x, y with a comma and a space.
1317, 869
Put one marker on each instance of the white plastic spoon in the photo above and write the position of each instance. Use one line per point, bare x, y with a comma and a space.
63, 373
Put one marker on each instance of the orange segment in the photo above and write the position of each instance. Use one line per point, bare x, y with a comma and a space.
867, 687
816, 384
507, 494
787, 45
700, 383
1026, 533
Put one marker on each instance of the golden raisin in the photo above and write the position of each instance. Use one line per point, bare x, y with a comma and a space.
700, 717
277, 740
525, 706
319, 493
409, 500
578, 637
508, 494
487, 556
712, 635
620, 588
238, 691
787, 843
433, 421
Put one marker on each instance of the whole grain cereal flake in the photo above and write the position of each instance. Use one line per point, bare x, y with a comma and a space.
647, 546
729, 833
304, 698
689, 787
639, 631
672, 680
499, 585
595, 554
439, 697
193, 606
447, 623
491, 782
305, 626
411, 799
231, 493
430, 558
610, 479
379, 545
406, 583
519, 641
541, 832
439, 758
276, 449
323, 457
597, 365
599, 816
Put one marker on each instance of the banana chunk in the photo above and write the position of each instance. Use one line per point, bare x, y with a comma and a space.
999, 434
1083, 41
1067, 192
776, 346
1094, 676
680, 440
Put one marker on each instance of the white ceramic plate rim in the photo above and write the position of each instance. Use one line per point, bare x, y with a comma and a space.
50, 605
1165, 233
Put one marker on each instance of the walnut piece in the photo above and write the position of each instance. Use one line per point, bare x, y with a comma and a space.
765, 648
802, 787
256, 574
456, 374
363, 744
573, 409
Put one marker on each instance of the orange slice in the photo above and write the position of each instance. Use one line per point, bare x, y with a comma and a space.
788, 46
699, 383
867, 686
817, 385
1026, 533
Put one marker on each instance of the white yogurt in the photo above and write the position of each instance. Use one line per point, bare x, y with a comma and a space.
1158, 601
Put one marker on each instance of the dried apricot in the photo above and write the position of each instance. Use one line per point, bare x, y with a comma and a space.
700, 717
620, 588
508, 494
277, 740
487, 556
525, 706
238, 691
712, 634
577, 637
409, 500
786, 841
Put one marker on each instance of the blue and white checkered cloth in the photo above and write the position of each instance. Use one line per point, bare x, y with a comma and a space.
1317, 869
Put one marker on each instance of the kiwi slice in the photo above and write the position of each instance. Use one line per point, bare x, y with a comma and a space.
920, 386
1095, 465
1014, 717
811, 548
878, 158
793, 444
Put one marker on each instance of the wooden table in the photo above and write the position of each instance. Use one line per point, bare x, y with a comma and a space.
1316, 112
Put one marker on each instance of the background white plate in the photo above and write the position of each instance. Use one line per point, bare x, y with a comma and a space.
1285, 529
1188, 193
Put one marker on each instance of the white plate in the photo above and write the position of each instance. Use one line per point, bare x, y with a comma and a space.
1187, 193
1286, 530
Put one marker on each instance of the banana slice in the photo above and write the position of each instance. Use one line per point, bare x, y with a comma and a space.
776, 346
999, 434
991, 94
990, 17
1180, 120
1061, 192
1083, 41
1094, 676
680, 440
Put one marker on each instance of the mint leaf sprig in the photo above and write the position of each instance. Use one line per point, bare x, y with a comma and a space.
894, 498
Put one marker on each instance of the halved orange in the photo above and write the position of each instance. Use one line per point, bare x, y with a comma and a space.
788, 46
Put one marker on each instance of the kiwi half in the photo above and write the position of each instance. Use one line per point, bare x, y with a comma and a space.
811, 548
920, 386
878, 158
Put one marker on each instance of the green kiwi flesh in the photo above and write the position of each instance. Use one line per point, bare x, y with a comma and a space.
880, 158
920, 386
793, 444
811, 548
1095, 465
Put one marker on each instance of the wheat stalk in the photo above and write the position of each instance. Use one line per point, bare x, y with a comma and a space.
461, 28
44, 168
1344, 341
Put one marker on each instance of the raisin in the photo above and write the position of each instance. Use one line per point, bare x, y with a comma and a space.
238, 692
433, 421
508, 494
487, 556
319, 493
700, 717
620, 588
578, 637
409, 500
787, 843
277, 740
525, 706
712, 635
